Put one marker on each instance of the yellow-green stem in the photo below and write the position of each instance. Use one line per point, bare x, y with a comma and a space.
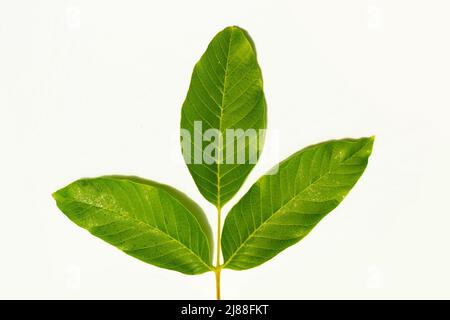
218, 266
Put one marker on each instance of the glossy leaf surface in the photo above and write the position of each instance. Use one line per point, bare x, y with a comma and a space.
226, 92
280, 209
152, 222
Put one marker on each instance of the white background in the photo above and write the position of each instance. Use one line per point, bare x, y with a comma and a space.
89, 88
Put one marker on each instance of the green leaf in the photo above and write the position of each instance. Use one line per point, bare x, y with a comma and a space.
226, 92
149, 221
280, 209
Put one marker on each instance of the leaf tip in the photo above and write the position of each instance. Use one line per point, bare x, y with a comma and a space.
55, 195
233, 28
59, 194
371, 141
368, 146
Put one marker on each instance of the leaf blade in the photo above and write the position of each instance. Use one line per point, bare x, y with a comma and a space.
226, 92
141, 219
286, 206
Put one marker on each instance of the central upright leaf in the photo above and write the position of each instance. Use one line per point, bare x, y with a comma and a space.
223, 115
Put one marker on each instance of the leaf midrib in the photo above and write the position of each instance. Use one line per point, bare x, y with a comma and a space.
145, 225
221, 116
286, 204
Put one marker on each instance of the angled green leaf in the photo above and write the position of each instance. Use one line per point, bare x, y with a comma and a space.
280, 209
149, 221
226, 92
